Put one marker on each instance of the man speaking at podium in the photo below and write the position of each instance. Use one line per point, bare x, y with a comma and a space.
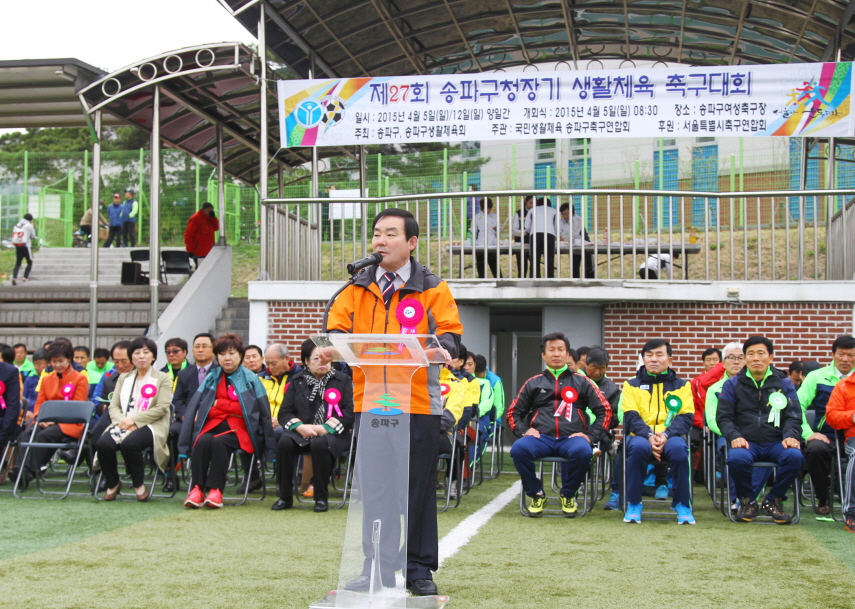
368, 306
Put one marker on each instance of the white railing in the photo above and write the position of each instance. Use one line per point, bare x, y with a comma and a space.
682, 235
841, 243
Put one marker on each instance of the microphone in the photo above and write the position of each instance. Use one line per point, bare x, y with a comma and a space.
354, 267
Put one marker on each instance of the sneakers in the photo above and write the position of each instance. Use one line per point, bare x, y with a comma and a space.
310, 492
747, 510
775, 509
452, 492
849, 523
661, 492
613, 503
684, 514
633, 513
568, 507
535, 508
195, 498
214, 498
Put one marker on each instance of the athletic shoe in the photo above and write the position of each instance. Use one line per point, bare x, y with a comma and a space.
214, 498
849, 523
535, 508
195, 498
747, 510
452, 492
661, 492
775, 509
310, 492
568, 507
684, 514
613, 503
633, 513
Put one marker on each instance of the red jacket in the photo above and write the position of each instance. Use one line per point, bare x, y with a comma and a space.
841, 406
700, 384
199, 235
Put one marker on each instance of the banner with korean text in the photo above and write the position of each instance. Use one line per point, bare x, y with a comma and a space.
770, 100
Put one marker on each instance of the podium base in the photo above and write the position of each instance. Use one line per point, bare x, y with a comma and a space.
347, 600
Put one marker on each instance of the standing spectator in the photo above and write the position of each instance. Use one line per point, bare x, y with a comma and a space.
199, 235
86, 222
139, 414
522, 238
541, 223
24, 366
571, 231
130, 215
115, 212
758, 413
472, 206
22, 238
796, 373
229, 411
485, 227
176, 359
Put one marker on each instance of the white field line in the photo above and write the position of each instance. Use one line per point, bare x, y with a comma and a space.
460, 535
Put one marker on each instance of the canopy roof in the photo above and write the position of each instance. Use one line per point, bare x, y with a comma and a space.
381, 37
43, 92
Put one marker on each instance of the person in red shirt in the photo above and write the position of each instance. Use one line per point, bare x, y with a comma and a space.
199, 234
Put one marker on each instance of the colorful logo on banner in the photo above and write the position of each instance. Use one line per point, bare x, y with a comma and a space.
816, 103
388, 406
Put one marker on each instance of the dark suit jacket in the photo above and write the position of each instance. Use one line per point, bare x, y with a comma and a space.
188, 383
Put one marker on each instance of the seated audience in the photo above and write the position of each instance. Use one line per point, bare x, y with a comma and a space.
796, 373
228, 412
317, 416
453, 406
658, 412
813, 395
63, 383
176, 359
548, 417
99, 365
759, 415
24, 366
840, 413
253, 359
710, 357
31, 381
139, 414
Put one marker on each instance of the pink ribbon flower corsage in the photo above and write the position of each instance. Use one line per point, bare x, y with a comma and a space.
568, 396
332, 397
2, 399
233, 394
67, 391
410, 313
146, 393
444, 389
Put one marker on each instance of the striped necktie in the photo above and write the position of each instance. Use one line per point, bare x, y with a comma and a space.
389, 288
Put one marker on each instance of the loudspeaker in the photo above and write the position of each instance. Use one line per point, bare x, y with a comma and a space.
131, 272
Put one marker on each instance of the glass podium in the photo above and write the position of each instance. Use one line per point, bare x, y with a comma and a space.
374, 556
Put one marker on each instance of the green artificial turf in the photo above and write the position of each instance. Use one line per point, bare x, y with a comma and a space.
82, 553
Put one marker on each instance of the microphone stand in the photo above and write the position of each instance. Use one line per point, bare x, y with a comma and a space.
330, 302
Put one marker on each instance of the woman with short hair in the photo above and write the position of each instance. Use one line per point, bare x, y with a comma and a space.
139, 415
317, 415
228, 412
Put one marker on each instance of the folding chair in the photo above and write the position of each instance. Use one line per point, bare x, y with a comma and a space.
236, 500
725, 505
348, 476
57, 411
647, 513
174, 262
585, 489
154, 472
838, 473
450, 470
497, 449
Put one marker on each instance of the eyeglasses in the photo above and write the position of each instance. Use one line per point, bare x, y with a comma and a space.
315, 359
173, 351
206, 347
734, 358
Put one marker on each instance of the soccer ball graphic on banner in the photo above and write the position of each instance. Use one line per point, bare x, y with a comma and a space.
333, 111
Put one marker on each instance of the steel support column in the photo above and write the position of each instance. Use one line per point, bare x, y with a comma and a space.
264, 267
363, 192
802, 208
221, 186
154, 219
96, 225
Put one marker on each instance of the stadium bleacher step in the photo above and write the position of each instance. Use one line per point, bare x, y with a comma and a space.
234, 319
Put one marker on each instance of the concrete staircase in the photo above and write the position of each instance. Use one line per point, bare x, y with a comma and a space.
234, 318
70, 266
37, 313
